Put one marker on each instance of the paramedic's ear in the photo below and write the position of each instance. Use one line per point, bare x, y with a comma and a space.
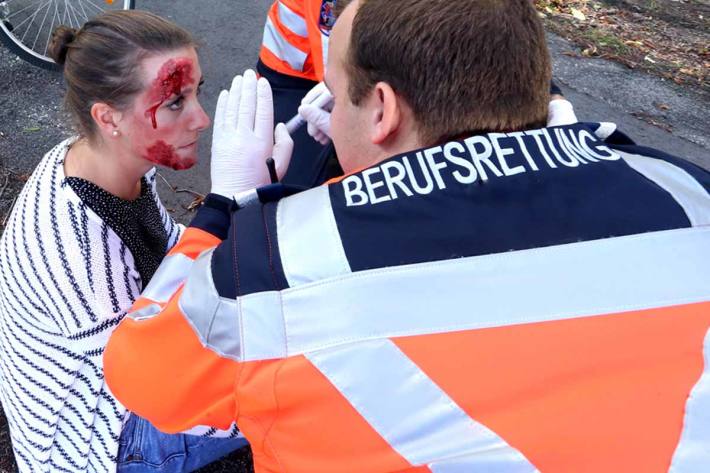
387, 112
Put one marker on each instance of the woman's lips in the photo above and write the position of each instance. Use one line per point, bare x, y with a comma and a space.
191, 145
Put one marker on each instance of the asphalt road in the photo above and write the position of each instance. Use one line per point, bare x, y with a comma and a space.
31, 121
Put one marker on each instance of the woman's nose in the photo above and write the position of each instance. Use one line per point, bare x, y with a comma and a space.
202, 120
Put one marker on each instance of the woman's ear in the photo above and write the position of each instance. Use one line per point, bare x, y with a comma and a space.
387, 113
107, 119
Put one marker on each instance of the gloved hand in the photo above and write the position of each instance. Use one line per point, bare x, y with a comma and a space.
315, 109
560, 112
243, 137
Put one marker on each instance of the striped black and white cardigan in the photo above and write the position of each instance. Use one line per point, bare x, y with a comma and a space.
66, 281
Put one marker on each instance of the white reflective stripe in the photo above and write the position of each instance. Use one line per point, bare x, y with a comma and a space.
545, 284
144, 313
416, 418
325, 43
688, 192
292, 20
219, 322
693, 451
281, 48
488, 462
166, 280
261, 314
605, 130
214, 319
309, 241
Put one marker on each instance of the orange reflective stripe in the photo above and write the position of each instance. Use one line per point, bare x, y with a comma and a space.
294, 39
193, 242
158, 369
313, 65
604, 393
313, 426
297, 6
273, 62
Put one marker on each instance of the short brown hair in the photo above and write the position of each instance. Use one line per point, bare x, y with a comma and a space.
463, 66
101, 60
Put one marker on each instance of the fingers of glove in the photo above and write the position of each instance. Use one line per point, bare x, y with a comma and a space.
283, 149
220, 110
324, 100
315, 116
314, 93
264, 119
247, 103
317, 134
318, 118
561, 112
230, 114
313, 131
322, 138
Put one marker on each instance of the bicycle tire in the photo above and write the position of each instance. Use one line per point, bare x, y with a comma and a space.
34, 50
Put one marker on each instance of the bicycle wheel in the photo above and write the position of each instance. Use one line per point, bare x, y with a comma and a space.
26, 25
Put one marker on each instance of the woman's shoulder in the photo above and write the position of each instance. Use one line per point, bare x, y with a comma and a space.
47, 197
50, 169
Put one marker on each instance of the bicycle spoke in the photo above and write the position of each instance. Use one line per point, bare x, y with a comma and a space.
93, 5
31, 19
20, 11
86, 17
82, 12
70, 9
66, 12
39, 31
51, 29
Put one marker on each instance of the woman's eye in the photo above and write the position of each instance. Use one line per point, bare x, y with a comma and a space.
177, 103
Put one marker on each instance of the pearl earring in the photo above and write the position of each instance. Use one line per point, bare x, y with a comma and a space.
115, 133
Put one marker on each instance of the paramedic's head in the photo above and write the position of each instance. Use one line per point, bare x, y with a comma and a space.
413, 73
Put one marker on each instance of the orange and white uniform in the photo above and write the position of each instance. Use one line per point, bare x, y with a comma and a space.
296, 34
532, 301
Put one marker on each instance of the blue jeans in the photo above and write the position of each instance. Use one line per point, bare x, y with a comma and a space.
143, 448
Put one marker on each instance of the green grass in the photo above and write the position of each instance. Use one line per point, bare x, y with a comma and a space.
605, 41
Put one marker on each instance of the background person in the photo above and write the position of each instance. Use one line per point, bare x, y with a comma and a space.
479, 293
292, 58
86, 237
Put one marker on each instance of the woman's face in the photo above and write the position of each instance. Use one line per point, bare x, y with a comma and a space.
163, 124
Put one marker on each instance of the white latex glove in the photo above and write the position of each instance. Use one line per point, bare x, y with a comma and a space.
315, 109
243, 137
560, 112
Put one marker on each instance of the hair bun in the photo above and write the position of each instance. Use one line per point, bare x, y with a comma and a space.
62, 37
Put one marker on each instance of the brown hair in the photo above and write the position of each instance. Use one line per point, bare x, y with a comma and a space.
463, 66
101, 60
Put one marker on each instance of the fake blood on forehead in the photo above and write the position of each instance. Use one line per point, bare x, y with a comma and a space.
172, 77
165, 155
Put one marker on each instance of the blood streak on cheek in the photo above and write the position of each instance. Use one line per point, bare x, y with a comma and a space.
172, 77
165, 155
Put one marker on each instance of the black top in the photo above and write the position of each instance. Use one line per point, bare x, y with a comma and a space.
137, 223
